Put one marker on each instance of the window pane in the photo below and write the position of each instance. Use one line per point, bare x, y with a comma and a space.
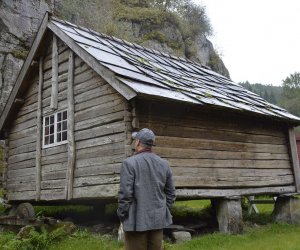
59, 117
64, 125
51, 119
52, 129
51, 139
58, 127
47, 121
65, 115
64, 135
58, 137
46, 140
46, 130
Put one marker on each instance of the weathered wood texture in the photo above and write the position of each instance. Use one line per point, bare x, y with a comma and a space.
100, 133
298, 146
210, 149
295, 159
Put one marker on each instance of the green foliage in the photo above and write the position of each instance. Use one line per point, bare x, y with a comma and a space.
270, 93
34, 240
291, 93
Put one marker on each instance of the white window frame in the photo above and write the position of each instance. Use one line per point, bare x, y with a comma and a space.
55, 143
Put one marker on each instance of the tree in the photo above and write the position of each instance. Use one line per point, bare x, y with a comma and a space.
290, 99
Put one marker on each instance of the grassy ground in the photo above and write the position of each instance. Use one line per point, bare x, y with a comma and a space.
259, 233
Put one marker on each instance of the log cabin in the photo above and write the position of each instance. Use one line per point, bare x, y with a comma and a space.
80, 94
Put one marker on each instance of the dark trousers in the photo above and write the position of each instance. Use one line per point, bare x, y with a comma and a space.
146, 240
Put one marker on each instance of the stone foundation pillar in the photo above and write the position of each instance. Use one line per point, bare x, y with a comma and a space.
287, 210
229, 215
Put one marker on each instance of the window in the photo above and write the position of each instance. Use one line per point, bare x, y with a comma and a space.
55, 129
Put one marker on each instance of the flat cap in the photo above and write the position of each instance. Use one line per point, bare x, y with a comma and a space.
145, 135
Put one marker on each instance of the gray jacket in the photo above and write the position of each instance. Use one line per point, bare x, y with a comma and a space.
146, 193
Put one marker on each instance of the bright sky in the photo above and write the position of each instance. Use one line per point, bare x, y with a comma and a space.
259, 40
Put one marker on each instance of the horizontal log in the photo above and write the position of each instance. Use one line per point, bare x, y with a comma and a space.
226, 182
19, 173
56, 175
178, 142
84, 76
107, 129
53, 184
210, 163
230, 172
53, 194
217, 155
98, 121
182, 193
21, 157
26, 148
55, 150
17, 186
21, 196
96, 180
21, 165
214, 123
23, 141
24, 118
97, 161
57, 158
97, 99
23, 133
99, 111
29, 179
103, 150
93, 83
174, 130
28, 124
54, 167
27, 109
107, 191
98, 170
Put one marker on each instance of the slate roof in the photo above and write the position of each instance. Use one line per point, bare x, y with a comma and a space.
154, 73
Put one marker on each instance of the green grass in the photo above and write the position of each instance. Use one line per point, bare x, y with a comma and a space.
259, 232
273, 236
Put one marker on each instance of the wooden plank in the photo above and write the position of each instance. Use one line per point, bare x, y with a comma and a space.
55, 150
24, 71
55, 167
53, 194
226, 182
98, 170
96, 161
11, 174
21, 196
107, 129
23, 164
26, 148
118, 137
107, 191
23, 141
24, 125
182, 193
54, 91
210, 163
206, 144
71, 128
99, 97
53, 184
57, 158
19, 186
98, 111
23, 133
39, 133
96, 180
214, 154
98, 121
4, 163
103, 150
205, 121
294, 158
56, 175
94, 64
173, 130
21, 157
89, 84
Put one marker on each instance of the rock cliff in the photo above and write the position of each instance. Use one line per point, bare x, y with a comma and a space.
19, 21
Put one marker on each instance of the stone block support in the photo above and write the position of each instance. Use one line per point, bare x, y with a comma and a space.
287, 210
229, 215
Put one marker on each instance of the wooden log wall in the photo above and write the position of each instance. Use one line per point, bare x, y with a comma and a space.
215, 149
101, 125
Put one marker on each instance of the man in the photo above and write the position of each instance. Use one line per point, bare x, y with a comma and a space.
146, 195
